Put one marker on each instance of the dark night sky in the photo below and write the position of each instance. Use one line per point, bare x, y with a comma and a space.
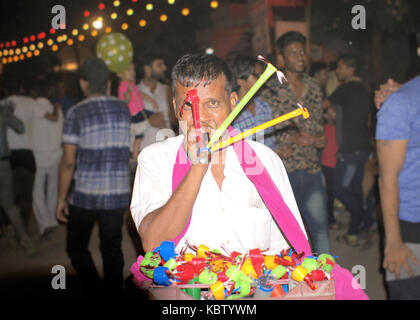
21, 18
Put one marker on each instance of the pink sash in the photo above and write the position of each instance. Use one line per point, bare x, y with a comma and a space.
346, 287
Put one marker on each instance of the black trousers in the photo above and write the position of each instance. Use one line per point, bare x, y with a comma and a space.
79, 228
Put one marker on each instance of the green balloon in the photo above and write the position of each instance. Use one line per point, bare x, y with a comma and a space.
193, 292
149, 263
310, 264
207, 277
116, 50
244, 290
326, 262
278, 272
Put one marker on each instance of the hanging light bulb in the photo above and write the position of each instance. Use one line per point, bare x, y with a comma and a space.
97, 24
149, 6
163, 18
142, 23
130, 12
185, 12
214, 4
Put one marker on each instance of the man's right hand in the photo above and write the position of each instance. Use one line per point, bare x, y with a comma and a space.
396, 255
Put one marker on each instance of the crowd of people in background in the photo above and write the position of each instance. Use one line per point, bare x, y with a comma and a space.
73, 161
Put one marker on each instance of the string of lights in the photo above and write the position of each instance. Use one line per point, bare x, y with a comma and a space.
95, 23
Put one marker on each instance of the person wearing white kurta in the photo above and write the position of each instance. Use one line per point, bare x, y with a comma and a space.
234, 216
46, 145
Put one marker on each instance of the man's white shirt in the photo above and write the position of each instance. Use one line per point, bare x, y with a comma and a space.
234, 216
47, 135
26, 109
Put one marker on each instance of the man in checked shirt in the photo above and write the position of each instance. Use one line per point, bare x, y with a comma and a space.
299, 140
246, 71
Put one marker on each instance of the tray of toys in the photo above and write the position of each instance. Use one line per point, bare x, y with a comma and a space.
205, 274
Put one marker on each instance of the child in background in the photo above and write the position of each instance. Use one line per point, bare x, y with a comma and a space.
128, 92
328, 161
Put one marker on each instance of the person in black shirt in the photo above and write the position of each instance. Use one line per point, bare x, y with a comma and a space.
352, 102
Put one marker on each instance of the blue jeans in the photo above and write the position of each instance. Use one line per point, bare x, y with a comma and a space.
348, 179
309, 191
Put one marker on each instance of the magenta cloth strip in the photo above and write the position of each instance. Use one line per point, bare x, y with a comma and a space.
271, 196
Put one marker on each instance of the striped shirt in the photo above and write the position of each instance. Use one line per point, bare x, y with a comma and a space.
100, 127
246, 120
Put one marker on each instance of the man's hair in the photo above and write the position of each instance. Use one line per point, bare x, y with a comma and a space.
41, 88
200, 68
13, 85
96, 73
147, 57
351, 61
289, 37
317, 67
242, 67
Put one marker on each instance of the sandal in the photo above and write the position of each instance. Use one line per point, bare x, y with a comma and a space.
350, 240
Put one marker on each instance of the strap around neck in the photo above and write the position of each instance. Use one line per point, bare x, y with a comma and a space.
265, 186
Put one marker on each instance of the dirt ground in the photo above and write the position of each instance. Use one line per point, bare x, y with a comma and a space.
23, 277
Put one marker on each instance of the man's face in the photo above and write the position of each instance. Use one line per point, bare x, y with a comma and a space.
158, 69
253, 77
294, 57
214, 106
322, 76
343, 72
